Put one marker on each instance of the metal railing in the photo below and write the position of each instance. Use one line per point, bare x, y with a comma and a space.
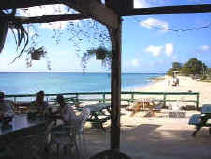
125, 96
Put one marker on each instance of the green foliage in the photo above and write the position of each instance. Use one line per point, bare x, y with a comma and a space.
192, 67
101, 53
209, 71
176, 66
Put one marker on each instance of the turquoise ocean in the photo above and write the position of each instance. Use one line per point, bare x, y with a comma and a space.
65, 82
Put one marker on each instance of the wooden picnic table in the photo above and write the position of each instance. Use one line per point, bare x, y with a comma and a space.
201, 120
97, 115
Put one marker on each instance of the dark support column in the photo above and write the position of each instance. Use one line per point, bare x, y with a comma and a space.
116, 86
197, 102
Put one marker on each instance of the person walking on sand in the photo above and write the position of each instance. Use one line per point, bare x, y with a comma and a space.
177, 81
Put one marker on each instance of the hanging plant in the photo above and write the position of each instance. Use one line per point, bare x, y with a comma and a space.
22, 37
101, 53
36, 54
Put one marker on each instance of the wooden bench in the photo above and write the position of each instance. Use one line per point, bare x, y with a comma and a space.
97, 116
200, 120
98, 122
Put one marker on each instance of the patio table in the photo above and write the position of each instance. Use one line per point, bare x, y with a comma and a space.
97, 116
19, 126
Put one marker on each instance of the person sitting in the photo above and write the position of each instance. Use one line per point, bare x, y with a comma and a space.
67, 114
39, 105
6, 107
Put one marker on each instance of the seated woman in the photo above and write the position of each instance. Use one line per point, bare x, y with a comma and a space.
39, 104
6, 107
67, 114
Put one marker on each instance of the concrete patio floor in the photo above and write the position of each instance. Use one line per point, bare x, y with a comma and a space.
154, 138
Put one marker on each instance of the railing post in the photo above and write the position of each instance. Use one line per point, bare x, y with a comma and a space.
164, 99
14, 99
104, 98
197, 101
132, 96
76, 100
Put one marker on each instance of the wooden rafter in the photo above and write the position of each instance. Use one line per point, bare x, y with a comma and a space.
50, 18
9, 4
91, 8
95, 10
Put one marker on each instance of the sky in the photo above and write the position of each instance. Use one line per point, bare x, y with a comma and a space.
149, 43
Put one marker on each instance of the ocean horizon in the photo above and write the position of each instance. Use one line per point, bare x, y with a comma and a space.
67, 82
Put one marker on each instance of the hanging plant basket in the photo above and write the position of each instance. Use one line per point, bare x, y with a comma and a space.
36, 54
101, 54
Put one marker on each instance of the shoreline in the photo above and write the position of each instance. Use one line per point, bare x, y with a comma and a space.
186, 84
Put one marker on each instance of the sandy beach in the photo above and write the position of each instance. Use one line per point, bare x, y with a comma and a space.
186, 84
160, 136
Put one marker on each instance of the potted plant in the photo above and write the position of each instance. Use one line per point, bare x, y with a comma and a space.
36, 54
101, 53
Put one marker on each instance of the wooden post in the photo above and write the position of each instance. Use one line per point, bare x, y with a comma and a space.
77, 100
164, 99
116, 85
197, 102
104, 98
132, 97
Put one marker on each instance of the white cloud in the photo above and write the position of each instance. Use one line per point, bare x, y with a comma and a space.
169, 49
155, 50
135, 62
140, 4
204, 47
151, 23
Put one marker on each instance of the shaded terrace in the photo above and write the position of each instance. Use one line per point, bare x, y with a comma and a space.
110, 15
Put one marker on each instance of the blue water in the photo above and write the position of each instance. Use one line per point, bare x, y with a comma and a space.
27, 83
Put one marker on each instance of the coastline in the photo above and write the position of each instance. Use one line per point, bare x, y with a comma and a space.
186, 84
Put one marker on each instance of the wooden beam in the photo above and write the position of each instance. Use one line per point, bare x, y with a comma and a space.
49, 18
116, 37
91, 8
118, 6
10, 4
203, 8
96, 10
